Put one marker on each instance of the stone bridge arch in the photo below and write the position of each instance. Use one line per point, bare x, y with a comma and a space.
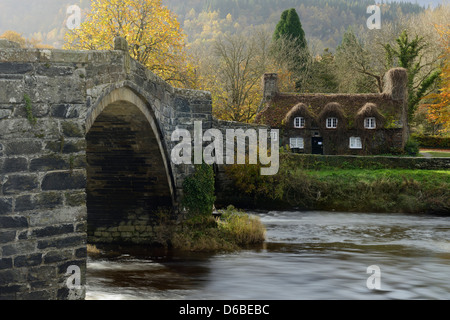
85, 139
129, 176
60, 111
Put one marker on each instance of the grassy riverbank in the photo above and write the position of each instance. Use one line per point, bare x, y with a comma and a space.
201, 231
349, 189
232, 231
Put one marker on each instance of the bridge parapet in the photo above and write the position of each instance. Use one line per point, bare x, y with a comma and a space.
59, 110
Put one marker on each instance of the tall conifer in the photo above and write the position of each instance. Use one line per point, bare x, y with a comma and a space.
289, 29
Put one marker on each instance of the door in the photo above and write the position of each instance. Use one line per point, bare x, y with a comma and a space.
317, 145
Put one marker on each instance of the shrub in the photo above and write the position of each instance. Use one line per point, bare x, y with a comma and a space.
241, 228
412, 147
199, 191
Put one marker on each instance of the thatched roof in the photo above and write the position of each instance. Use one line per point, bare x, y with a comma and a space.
335, 110
370, 110
299, 110
276, 109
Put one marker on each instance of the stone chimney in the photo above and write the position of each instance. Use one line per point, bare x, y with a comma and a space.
270, 86
120, 43
396, 84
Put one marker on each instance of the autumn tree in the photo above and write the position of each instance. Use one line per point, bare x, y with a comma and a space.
154, 35
356, 70
439, 108
236, 82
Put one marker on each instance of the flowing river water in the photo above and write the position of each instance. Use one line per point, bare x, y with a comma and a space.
307, 255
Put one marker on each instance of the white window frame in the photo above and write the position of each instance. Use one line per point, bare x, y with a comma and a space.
274, 135
297, 143
355, 143
332, 123
299, 122
370, 123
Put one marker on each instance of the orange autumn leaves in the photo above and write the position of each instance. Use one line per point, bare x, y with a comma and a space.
439, 108
154, 35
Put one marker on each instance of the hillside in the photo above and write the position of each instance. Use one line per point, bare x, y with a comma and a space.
323, 20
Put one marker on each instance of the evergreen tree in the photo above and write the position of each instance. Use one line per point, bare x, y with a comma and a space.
323, 74
408, 55
290, 34
290, 26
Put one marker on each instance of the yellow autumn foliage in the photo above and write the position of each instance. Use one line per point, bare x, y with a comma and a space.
152, 31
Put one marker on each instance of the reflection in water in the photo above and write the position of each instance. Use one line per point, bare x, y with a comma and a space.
307, 255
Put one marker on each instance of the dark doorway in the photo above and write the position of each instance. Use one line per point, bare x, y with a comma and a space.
317, 145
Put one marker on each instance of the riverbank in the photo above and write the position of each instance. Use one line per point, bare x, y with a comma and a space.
232, 231
341, 184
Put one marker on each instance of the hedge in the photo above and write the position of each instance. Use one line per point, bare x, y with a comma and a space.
434, 142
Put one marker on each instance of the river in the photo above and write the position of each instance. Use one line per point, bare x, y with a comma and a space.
307, 255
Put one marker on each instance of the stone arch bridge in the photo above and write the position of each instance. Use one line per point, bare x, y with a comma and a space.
85, 136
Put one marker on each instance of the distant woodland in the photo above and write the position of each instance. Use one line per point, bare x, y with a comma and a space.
225, 46
324, 21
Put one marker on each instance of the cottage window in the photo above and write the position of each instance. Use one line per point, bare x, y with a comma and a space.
332, 123
355, 143
370, 123
296, 143
299, 122
274, 135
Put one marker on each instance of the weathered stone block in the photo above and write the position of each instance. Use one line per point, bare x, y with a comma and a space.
15, 68
66, 111
21, 128
58, 215
53, 71
20, 183
24, 203
57, 256
55, 90
81, 227
38, 110
7, 236
71, 130
6, 263
13, 222
12, 165
182, 105
17, 248
72, 241
25, 147
5, 113
8, 277
52, 231
64, 181
75, 199
31, 260
5, 205
49, 163
11, 90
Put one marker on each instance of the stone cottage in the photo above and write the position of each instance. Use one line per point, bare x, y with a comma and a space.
333, 124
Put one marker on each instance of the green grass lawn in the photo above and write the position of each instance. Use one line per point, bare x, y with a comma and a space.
439, 154
435, 153
352, 188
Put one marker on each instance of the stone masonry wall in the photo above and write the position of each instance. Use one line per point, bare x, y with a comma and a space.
49, 99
